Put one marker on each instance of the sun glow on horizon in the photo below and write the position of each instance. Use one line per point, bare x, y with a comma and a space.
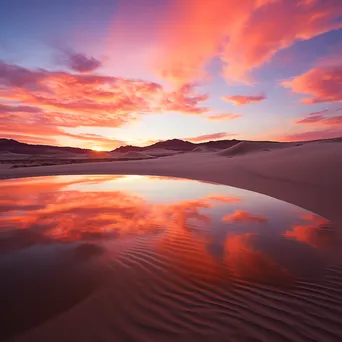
98, 149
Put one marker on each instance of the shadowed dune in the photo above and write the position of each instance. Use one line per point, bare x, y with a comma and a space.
135, 155
203, 149
156, 152
245, 147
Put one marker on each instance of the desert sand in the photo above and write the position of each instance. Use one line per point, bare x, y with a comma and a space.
308, 176
161, 152
134, 155
245, 147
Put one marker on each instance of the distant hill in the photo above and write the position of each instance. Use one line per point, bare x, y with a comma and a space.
14, 146
174, 144
180, 145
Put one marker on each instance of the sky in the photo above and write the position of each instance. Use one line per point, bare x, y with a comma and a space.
104, 73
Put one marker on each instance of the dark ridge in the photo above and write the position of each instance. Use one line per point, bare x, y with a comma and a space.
14, 146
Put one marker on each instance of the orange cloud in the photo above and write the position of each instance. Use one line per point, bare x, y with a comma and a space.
243, 33
243, 216
207, 137
323, 84
45, 102
43, 131
223, 117
241, 100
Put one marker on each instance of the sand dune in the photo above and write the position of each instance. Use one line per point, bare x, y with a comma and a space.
134, 155
203, 149
5, 155
161, 152
245, 147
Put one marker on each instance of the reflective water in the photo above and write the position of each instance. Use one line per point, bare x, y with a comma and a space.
61, 237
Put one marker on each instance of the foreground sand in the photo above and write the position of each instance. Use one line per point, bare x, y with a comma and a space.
309, 176
144, 300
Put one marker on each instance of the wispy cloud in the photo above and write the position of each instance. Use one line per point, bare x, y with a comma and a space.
325, 133
207, 137
223, 117
320, 119
241, 100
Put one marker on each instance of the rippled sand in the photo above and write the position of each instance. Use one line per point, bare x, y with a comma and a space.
108, 258
154, 296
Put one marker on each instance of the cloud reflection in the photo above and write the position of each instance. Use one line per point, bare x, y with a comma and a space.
316, 232
243, 216
81, 209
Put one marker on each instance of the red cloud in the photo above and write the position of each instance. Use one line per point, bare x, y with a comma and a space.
45, 102
243, 216
207, 137
240, 100
244, 33
323, 84
223, 117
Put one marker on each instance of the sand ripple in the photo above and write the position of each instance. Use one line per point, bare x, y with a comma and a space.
167, 288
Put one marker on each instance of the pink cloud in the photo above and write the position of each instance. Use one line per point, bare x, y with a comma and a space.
322, 120
241, 100
243, 33
207, 137
319, 119
223, 117
323, 84
326, 133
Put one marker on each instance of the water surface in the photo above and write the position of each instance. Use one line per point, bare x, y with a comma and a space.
208, 257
